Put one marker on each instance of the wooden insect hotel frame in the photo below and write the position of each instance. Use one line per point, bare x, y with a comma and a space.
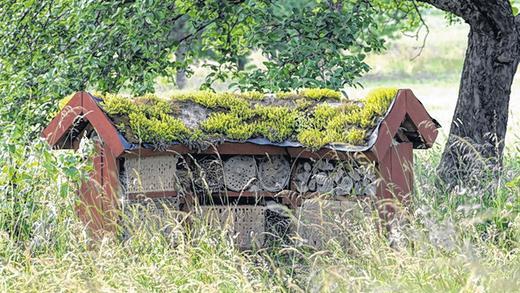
240, 177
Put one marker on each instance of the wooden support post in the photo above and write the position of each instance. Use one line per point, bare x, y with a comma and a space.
396, 174
111, 189
90, 206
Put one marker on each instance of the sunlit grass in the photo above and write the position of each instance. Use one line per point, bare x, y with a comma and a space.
450, 241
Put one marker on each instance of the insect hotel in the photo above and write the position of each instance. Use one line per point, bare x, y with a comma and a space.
237, 154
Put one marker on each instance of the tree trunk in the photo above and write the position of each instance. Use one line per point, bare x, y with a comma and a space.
476, 141
241, 63
180, 75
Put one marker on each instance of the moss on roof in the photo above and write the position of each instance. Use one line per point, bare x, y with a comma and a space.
313, 117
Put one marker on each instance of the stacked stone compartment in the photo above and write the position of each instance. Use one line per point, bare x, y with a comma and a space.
336, 178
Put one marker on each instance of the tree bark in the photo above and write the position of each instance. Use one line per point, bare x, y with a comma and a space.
180, 75
476, 141
241, 63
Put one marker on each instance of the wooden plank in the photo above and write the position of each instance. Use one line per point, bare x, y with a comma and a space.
61, 125
396, 184
90, 206
153, 195
390, 125
252, 149
384, 187
421, 119
323, 153
249, 194
231, 194
402, 171
102, 124
226, 148
111, 189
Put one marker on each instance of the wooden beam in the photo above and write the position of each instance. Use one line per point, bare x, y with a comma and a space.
83, 106
62, 123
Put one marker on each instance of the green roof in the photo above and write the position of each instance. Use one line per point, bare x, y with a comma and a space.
311, 117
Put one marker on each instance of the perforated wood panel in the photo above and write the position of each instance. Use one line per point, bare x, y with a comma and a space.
150, 214
240, 173
319, 220
151, 174
246, 222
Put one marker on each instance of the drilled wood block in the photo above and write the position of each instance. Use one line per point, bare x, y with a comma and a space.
240, 173
245, 223
151, 174
318, 220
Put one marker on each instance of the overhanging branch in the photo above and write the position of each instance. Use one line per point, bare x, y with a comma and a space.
462, 8
499, 15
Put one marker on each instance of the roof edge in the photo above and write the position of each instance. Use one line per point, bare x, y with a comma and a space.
405, 103
83, 105
61, 124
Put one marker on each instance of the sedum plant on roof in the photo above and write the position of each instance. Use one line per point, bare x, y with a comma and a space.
313, 117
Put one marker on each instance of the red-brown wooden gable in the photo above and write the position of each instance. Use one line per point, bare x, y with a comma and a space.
83, 105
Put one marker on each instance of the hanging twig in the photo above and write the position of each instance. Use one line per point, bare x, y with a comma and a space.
421, 48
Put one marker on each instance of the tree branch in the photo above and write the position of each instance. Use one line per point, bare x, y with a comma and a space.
483, 15
197, 30
425, 25
499, 14
462, 8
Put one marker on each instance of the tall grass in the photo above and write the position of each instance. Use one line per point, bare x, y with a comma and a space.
449, 241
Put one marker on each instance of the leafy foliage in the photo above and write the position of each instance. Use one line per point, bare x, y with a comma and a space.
320, 43
30, 207
52, 48
514, 6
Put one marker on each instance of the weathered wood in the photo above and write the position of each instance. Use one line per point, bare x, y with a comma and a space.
240, 173
273, 172
324, 184
338, 178
344, 186
209, 174
301, 177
